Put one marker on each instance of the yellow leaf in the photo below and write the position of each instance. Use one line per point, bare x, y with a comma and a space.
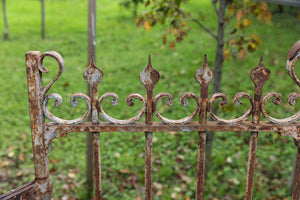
264, 6
251, 47
226, 54
231, 9
240, 14
242, 54
246, 1
267, 16
183, 23
246, 22
147, 25
164, 39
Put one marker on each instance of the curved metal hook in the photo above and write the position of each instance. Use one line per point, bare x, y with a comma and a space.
114, 102
223, 102
169, 102
58, 102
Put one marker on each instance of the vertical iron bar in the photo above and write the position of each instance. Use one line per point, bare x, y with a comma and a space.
204, 76
34, 81
296, 178
93, 76
35, 86
91, 53
149, 77
148, 146
259, 75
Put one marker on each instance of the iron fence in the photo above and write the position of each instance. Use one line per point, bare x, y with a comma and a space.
44, 132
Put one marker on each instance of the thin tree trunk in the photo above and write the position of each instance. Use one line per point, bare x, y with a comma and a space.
216, 87
91, 53
5, 36
43, 18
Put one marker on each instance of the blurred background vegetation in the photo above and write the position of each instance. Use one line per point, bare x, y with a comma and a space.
122, 52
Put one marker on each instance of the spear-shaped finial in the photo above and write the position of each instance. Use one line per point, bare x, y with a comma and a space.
260, 74
92, 74
205, 74
149, 76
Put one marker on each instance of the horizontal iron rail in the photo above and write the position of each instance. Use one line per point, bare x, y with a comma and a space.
247, 126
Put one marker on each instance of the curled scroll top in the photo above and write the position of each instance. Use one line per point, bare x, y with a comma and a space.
294, 51
204, 75
43, 69
92, 74
293, 56
260, 74
58, 99
149, 76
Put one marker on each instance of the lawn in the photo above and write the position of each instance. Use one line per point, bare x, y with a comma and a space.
122, 53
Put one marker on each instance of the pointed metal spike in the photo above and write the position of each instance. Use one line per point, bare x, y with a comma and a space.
205, 74
261, 60
149, 76
92, 62
149, 61
260, 74
205, 61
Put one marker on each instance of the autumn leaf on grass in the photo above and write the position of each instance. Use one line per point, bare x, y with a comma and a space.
164, 38
226, 54
246, 22
147, 24
242, 54
240, 14
172, 45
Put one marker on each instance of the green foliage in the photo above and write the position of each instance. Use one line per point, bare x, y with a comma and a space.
131, 4
177, 18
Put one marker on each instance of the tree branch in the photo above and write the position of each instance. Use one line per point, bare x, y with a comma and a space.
205, 28
215, 7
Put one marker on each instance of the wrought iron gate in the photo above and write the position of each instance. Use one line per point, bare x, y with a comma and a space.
44, 132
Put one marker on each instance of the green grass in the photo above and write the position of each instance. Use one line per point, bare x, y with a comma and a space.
122, 53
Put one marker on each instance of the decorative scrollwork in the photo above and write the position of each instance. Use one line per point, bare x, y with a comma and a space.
290, 68
57, 97
276, 99
74, 103
169, 102
43, 69
223, 102
114, 102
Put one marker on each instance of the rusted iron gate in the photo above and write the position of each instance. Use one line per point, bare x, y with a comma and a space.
44, 132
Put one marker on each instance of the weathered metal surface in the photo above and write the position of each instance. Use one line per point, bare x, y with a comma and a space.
169, 102
44, 132
259, 75
223, 102
149, 77
296, 179
53, 130
114, 102
35, 88
23, 192
203, 76
93, 77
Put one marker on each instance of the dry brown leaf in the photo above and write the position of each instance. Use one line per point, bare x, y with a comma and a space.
240, 14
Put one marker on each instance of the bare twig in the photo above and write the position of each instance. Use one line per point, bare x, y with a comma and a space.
205, 28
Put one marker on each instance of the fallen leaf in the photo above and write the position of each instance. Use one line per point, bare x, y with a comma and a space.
240, 14
185, 178
171, 45
71, 175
